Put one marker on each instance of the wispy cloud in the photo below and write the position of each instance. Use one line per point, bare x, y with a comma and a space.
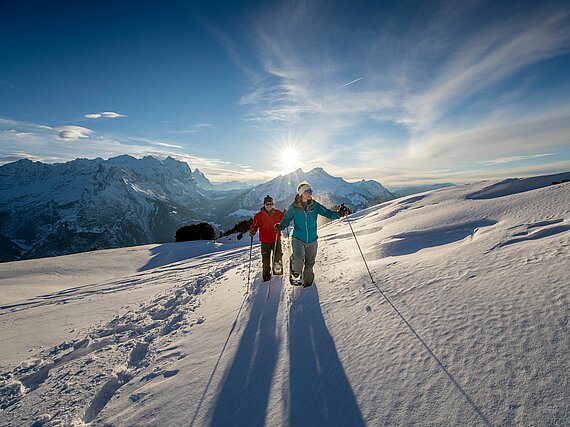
15, 156
19, 134
511, 159
164, 144
512, 133
104, 115
486, 58
194, 129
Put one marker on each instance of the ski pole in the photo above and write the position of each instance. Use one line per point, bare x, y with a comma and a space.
272, 261
364, 259
249, 272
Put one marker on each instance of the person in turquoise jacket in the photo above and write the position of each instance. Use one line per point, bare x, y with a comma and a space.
303, 212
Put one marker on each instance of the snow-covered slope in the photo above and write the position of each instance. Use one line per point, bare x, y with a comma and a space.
328, 189
75, 206
479, 272
408, 190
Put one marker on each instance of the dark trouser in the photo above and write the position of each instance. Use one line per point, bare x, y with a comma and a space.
266, 249
303, 259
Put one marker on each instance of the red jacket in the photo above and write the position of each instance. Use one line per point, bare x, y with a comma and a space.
265, 221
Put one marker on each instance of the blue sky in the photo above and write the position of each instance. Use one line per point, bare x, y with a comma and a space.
402, 92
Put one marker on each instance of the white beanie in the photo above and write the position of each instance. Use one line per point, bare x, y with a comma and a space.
304, 186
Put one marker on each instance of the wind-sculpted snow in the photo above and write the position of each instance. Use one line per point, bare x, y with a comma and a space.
457, 315
515, 186
414, 241
535, 231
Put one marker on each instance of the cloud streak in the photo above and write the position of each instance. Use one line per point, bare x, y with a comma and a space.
511, 159
104, 115
350, 83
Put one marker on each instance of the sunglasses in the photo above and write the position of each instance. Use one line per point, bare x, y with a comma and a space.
309, 191
269, 204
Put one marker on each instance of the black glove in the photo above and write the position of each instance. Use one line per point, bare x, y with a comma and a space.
343, 210
251, 233
277, 227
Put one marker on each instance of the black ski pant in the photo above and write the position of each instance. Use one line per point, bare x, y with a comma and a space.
266, 249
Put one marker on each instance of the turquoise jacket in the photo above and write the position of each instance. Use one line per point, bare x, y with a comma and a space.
305, 220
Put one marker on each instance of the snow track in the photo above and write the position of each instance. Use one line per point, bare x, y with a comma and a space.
127, 345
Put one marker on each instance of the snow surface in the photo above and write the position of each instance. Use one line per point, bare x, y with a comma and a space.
164, 335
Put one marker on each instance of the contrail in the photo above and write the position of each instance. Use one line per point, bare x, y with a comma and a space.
349, 83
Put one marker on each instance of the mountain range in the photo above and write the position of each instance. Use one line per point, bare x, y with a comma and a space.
328, 190
84, 204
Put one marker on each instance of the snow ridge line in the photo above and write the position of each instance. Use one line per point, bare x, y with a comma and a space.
457, 385
130, 342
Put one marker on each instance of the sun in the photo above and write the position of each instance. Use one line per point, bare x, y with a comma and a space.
289, 159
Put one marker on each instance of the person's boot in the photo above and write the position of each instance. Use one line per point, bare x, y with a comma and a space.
296, 279
278, 268
308, 277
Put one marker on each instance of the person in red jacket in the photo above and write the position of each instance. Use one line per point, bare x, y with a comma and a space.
264, 220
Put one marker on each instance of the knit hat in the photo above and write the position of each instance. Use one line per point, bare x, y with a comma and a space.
302, 187
268, 199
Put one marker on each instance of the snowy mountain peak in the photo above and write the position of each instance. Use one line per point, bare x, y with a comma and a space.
329, 190
318, 171
201, 180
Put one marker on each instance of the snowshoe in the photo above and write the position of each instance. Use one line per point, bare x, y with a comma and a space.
308, 277
278, 268
296, 279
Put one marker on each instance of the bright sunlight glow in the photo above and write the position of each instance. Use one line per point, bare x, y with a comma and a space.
289, 159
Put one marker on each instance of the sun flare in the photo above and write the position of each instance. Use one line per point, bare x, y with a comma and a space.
289, 159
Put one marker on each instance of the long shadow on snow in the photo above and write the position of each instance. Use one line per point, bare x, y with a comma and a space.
245, 389
320, 391
173, 253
